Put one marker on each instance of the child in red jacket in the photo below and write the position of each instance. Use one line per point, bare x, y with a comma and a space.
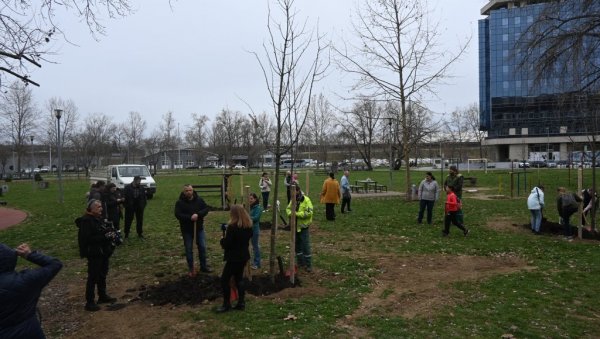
453, 206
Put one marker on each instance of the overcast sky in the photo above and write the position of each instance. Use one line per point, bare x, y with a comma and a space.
193, 58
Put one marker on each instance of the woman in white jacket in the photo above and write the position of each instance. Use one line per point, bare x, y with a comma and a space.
429, 192
535, 203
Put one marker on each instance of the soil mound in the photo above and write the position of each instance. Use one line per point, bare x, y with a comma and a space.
556, 228
203, 288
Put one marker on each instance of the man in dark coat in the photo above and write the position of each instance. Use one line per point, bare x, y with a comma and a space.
20, 291
95, 244
135, 202
190, 210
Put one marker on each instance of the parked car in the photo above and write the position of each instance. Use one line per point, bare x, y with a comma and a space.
524, 164
551, 164
239, 166
44, 169
538, 164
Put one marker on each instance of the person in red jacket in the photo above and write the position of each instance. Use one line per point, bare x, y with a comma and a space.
453, 206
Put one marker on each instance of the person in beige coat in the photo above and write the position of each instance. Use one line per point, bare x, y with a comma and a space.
330, 196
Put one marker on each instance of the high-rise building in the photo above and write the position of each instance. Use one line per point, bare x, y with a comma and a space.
526, 118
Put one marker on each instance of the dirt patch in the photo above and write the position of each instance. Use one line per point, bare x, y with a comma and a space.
484, 193
418, 286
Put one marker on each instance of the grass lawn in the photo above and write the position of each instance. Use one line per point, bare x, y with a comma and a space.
377, 272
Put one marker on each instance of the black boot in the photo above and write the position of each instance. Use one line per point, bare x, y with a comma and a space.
106, 299
92, 307
224, 308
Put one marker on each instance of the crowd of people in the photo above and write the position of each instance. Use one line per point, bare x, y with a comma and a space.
99, 234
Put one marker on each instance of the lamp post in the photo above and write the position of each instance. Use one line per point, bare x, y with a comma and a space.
548, 144
32, 164
391, 154
58, 114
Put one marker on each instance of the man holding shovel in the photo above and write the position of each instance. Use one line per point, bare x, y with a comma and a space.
190, 210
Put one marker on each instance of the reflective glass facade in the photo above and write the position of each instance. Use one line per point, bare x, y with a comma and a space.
510, 102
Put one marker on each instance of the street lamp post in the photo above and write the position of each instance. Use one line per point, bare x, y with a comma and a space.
32, 165
391, 154
58, 114
548, 144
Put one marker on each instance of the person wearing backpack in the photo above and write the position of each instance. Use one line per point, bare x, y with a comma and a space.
452, 208
567, 204
535, 204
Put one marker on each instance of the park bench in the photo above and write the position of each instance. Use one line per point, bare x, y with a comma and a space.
208, 189
470, 181
356, 189
380, 188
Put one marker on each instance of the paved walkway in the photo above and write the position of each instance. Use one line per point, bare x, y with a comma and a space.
10, 217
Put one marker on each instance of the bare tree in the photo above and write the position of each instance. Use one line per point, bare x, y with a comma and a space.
28, 27
398, 57
229, 126
4, 155
153, 147
68, 121
473, 122
196, 136
133, 131
264, 131
289, 81
361, 126
19, 116
320, 126
93, 142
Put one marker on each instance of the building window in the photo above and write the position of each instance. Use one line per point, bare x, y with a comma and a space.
504, 22
518, 21
505, 37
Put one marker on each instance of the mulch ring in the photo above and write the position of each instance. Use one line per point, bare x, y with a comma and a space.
203, 288
555, 228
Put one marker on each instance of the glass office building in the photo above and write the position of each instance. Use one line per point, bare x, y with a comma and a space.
524, 120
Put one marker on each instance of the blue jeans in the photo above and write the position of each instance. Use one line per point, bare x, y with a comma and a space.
265, 198
188, 239
426, 204
536, 220
256, 246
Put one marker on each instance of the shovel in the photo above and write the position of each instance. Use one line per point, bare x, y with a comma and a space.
280, 215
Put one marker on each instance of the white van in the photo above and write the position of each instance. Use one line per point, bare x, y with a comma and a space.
122, 175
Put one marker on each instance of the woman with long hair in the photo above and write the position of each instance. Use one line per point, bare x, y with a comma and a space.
235, 243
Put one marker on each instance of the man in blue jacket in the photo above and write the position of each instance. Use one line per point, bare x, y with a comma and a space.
20, 291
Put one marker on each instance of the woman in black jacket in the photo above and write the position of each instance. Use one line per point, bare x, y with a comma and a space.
235, 243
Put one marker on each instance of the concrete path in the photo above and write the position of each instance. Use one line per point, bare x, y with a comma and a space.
10, 217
